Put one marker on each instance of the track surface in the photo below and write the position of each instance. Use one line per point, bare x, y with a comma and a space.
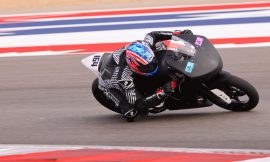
47, 100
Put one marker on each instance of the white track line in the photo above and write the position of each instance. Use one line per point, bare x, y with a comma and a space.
257, 160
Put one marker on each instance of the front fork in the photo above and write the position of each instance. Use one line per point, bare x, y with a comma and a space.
210, 91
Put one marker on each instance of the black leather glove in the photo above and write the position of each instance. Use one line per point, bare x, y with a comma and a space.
157, 97
187, 32
169, 87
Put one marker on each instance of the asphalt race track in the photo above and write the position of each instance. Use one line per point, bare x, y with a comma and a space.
47, 100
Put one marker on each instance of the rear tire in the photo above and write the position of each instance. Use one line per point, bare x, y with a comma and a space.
101, 98
237, 88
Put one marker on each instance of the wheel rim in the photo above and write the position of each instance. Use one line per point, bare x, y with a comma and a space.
238, 96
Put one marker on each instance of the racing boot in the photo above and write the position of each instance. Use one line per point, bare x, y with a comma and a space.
131, 115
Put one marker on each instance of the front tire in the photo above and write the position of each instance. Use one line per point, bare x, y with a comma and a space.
101, 98
243, 95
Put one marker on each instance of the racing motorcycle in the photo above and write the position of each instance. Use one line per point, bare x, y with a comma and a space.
196, 65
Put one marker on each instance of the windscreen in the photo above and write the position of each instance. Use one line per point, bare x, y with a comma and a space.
180, 46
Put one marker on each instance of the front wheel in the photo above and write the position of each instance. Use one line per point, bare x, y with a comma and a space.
101, 98
243, 96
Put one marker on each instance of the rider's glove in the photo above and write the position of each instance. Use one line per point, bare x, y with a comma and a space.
176, 32
158, 97
161, 95
187, 32
166, 89
169, 87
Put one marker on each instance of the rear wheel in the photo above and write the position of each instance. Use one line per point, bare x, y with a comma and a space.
242, 94
101, 98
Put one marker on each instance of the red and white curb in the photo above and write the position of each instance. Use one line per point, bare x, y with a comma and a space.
46, 153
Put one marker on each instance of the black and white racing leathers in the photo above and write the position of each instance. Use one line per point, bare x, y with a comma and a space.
117, 82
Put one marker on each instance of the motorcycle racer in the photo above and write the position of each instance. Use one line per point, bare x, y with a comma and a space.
116, 78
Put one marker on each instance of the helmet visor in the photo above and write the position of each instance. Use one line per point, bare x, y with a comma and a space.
149, 67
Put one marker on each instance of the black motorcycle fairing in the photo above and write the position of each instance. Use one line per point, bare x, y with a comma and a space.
204, 65
218, 80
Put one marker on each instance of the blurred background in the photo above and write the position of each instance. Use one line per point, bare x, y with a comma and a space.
26, 6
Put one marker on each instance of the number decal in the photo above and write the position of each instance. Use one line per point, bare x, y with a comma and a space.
95, 61
199, 41
189, 67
